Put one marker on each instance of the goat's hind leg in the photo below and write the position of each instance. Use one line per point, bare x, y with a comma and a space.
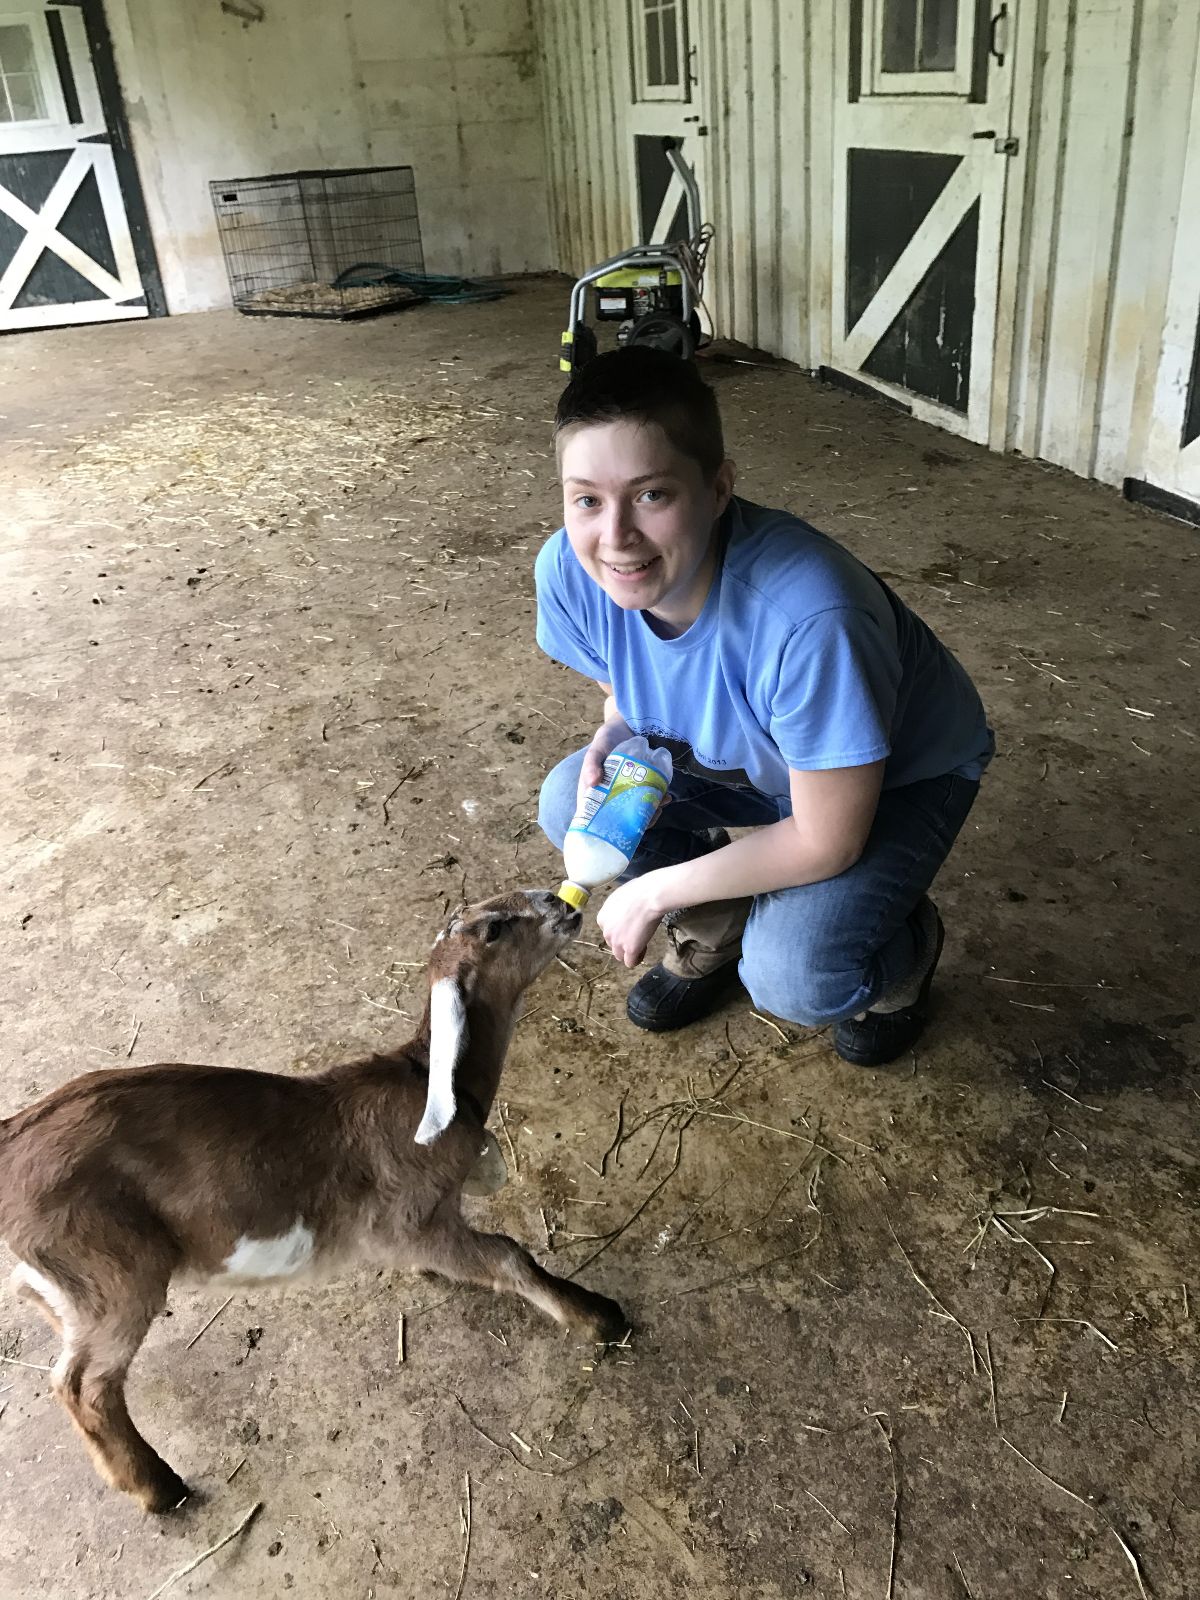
99, 1343
90, 1382
458, 1252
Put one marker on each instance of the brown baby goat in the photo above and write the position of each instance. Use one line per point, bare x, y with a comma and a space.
122, 1180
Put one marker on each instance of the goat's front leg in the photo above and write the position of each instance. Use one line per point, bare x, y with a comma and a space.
457, 1251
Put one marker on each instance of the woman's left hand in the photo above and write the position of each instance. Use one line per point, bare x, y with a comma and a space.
628, 918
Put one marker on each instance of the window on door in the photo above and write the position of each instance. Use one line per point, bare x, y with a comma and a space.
22, 98
660, 65
918, 46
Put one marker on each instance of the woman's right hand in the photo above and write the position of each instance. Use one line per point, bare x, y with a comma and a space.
612, 732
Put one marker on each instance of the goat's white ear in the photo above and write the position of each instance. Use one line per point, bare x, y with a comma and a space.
447, 1036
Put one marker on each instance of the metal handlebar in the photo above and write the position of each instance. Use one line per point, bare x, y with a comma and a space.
691, 189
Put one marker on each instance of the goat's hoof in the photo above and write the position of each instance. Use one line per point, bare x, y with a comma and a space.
608, 1322
167, 1493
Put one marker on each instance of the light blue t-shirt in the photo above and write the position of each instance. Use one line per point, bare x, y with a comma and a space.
801, 658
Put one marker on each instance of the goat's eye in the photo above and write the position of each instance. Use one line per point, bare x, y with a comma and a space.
494, 930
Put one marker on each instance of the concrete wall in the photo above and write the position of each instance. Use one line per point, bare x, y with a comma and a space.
448, 86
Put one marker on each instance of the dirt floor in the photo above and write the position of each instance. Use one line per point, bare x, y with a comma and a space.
272, 704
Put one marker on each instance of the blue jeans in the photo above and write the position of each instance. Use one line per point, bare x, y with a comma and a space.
824, 951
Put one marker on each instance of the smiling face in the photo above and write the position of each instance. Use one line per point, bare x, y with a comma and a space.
642, 517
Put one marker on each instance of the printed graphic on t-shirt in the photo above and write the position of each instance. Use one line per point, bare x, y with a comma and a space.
686, 760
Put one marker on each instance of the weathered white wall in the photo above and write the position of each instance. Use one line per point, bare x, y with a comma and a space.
764, 94
1108, 96
448, 86
1105, 188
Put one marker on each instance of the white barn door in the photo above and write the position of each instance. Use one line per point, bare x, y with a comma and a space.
66, 250
665, 101
923, 149
1173, 451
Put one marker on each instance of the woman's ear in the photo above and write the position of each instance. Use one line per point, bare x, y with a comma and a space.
723, 484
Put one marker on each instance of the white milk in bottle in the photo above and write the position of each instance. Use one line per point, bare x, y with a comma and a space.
612, 817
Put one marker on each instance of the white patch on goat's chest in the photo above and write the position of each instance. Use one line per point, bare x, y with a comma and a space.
281, 1257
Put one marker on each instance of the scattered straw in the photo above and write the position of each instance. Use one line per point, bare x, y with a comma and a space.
697, 1209
1078, 1322
616, 1138
1130, 1556
991, 1372
497, 1444
887, 1436
413, 772
940, 1308
963, 1578
774, 1026
512, 1150
136, 1030
612, 1237
34, 1366
196, 1336
733, 1277
837, 1520
400, 1351
1061, 1487
465, 1520
211, 1551
1080, 1103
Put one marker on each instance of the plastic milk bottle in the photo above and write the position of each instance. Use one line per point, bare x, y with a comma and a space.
612, 817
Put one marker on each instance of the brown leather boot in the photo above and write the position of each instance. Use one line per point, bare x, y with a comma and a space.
699, 971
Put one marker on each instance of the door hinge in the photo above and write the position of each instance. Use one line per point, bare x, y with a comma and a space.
1009, 146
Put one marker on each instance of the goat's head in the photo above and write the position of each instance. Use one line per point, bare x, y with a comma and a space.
488, 954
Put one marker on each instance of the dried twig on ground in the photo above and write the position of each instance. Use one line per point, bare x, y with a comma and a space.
616, 1138
497, 1444
887, 1435
615, 1234
1079, 1322
413, 772
196, 1336
732, 1277
991, 1372
465, 1516
837, 1520
1130, 1556
963, 1578
211, 1551
508, 1139
941, 1309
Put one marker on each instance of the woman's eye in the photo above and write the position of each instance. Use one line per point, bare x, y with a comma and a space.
654, 495
586, 502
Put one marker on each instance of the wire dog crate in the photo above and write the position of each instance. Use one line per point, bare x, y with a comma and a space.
293, 241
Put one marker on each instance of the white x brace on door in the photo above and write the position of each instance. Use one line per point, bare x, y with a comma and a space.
922, 150
66, 253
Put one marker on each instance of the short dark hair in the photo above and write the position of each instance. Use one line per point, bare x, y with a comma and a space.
639, 383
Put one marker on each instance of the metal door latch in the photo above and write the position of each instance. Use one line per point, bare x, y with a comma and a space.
1003, 145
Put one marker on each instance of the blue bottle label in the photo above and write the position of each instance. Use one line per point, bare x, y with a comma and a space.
621, 812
